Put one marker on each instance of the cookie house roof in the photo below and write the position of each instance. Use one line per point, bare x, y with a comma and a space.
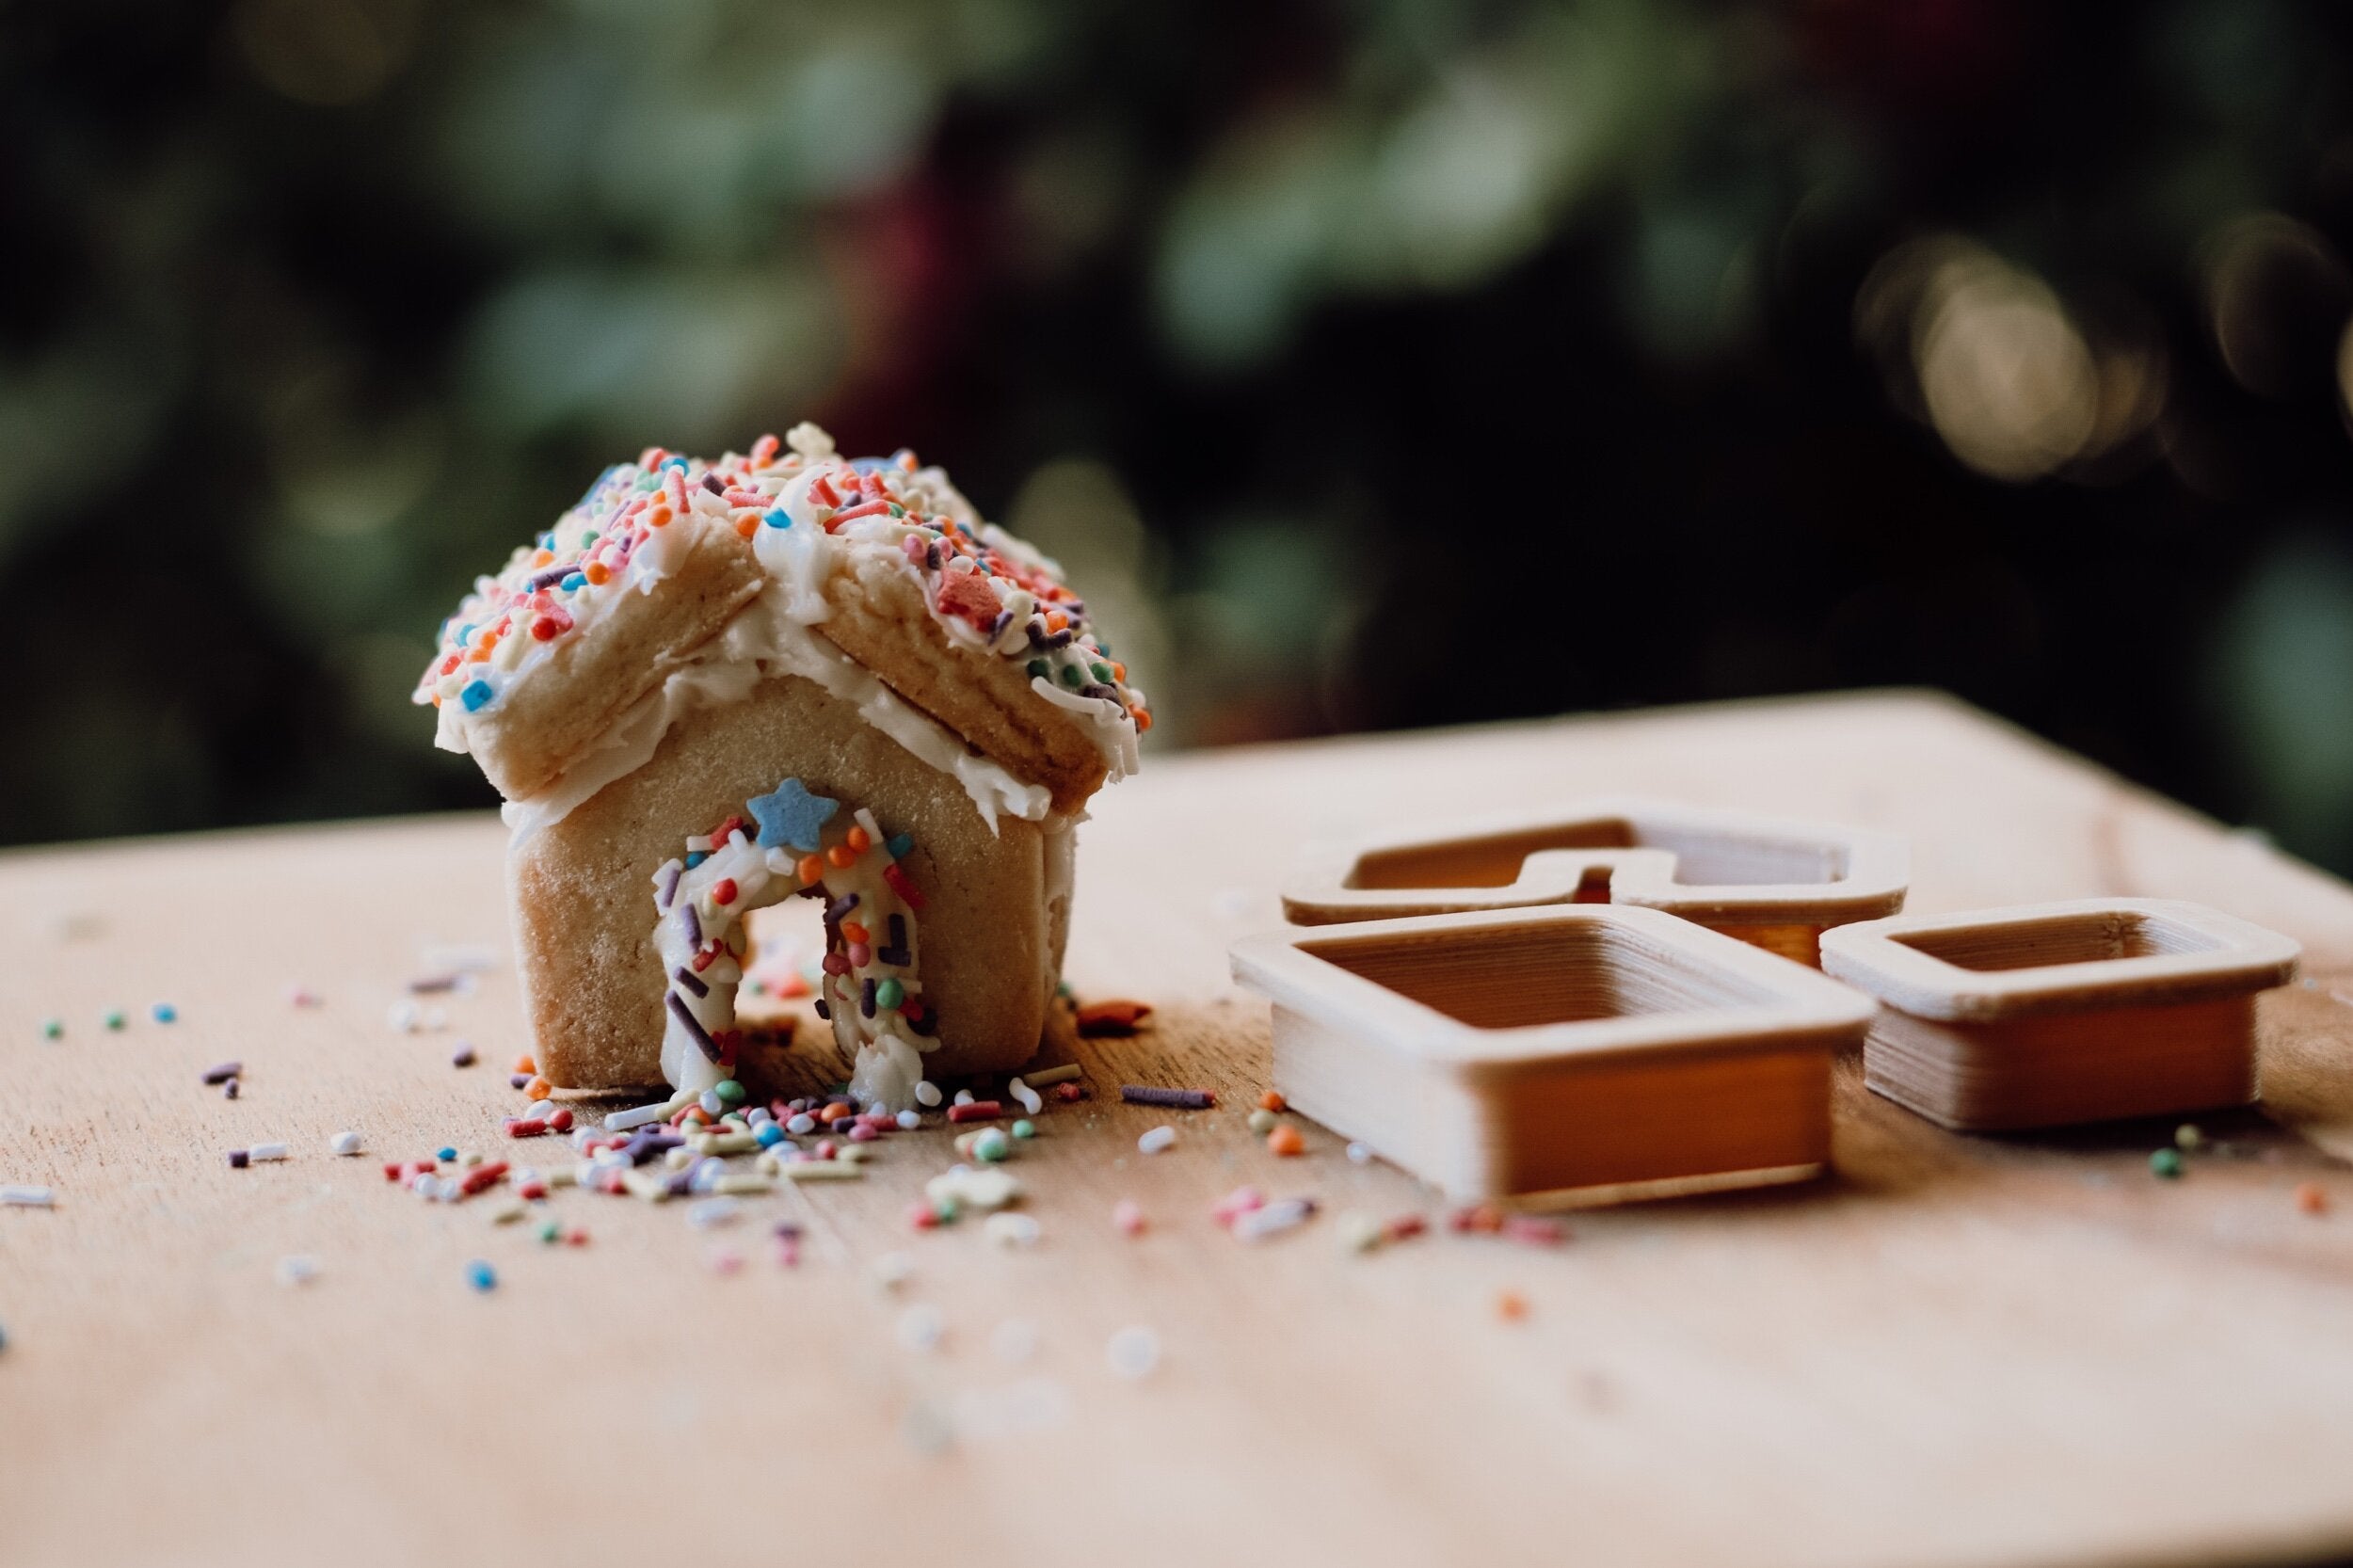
879, 557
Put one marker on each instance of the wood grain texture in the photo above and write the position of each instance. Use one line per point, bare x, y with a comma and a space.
1952, 1350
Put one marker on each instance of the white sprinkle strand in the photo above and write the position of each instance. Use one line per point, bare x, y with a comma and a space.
28, 1197
927, 1093
260, 1152
345, 1143
1155, 1140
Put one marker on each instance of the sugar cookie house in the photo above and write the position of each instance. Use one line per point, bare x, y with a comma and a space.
712, 686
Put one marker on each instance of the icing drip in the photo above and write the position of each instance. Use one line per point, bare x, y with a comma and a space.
872, 989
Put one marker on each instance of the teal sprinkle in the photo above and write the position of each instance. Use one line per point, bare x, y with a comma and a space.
482, 1276
649, 481
889, 994
728, 1091
53, 1029
2165, 1163
898, 845
477, 696
115, 1018
778, 518
1025, 1129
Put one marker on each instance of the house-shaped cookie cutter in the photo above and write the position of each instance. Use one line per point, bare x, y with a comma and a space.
2048, 1013
1570, 1054
1774, 883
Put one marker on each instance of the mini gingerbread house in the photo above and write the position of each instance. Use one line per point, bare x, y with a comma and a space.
715, 685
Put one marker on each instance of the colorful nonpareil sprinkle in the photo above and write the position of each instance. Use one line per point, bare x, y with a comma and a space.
1286, 1142
2165, 1163
164, 1012
2312, 1198
482, 1276
53, 1029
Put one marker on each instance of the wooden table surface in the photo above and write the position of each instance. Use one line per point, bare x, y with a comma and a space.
1954, 1351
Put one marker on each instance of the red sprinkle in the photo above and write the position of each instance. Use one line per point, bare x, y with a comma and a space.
529, 1126
482, 1177
724, 891
975, 1111
903, 886
1113, 1018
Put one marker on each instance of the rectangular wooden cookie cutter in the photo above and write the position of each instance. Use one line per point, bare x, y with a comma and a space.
2046, 1013
1569, 1054
1774, 883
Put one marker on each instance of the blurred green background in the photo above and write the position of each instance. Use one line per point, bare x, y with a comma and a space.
1369, 364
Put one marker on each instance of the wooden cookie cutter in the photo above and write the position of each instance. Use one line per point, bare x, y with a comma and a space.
1774, 883
2047, 1014
1572, 1055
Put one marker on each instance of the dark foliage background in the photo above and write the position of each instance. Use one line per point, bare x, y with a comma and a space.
1373, 363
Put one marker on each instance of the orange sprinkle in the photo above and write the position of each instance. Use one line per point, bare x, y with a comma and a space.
598, 572
859, 841
1119, 671
523, 1063
1056, 620
842, 855
811, 869
1111, 1017
542, 556
1510, 1305
479, 656
658, 518
1144, 720
540, 1089
833, 1112
1272, 1101
1286, 1142
2311, 1197
746, 525
853, 932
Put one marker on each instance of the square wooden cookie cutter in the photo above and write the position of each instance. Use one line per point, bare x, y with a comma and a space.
1570, 1054
2047, 1014
1774, 883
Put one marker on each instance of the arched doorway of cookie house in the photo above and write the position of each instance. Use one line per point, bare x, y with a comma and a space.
787, 1049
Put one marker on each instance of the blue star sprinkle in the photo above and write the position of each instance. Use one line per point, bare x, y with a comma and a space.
789, 814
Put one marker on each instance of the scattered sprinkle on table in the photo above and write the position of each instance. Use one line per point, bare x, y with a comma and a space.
115, 1017
222, 1072
482, 1276
297, 1269
268, 1151
1134, 1351
2312, 1198
975, 1111
1127, 1217
239, 1160
1010, 1229
1262, 1121
921, 1327
232, 1089
343, 1142
2165, 1163
53, 1029
1360, 1154
463, 1056
1272, 1218
1044, 1078
164, 1012
1286, 1142
1155, 1140
26, 1196
1273, 1102
1510, 1306
2188, 1136
1111, 1017
1176, 1100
